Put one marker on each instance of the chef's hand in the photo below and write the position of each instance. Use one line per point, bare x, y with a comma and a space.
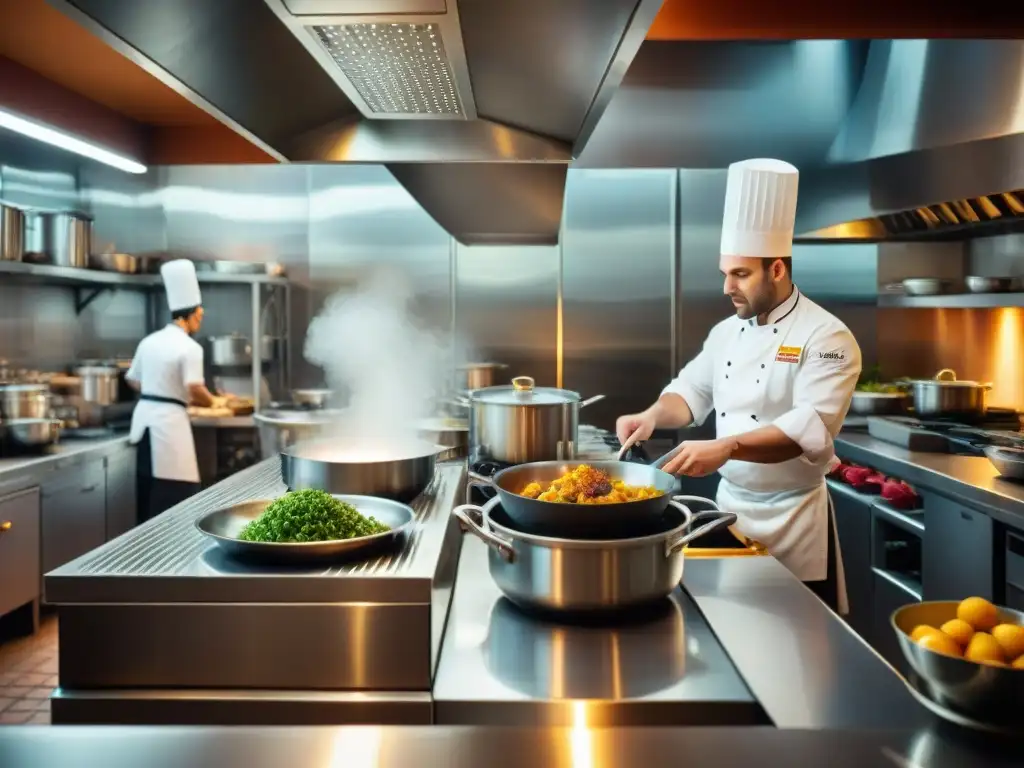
697, 458
627, 425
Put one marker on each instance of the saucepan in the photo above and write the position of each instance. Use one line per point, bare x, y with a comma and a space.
945, 395
588, 576
521, 422
392, 471
548, 518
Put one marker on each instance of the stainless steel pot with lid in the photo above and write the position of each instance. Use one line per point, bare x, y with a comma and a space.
521, 422
945, 395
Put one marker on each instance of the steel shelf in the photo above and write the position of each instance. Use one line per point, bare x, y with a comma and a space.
54, 275
953, 301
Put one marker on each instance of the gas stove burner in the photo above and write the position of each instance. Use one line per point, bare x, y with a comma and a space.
488, 468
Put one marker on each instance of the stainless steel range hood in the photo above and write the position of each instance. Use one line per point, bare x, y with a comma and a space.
974, 217
477, 107
932, 147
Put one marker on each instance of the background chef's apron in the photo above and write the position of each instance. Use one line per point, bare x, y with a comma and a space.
157, 494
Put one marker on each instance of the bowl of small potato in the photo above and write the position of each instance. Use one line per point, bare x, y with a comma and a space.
967, 657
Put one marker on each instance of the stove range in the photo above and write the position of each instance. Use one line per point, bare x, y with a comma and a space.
1001, 427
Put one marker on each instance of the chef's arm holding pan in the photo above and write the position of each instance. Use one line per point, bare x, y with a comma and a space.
822, 391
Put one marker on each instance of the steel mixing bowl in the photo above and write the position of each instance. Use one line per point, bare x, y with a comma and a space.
982, 692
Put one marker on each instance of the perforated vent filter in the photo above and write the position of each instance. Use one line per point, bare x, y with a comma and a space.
396, 68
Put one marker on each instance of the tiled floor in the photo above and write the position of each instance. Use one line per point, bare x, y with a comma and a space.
28, 674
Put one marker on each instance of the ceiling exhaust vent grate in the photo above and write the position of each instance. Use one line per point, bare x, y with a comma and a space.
397, 68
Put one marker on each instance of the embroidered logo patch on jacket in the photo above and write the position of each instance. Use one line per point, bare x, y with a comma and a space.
788, 355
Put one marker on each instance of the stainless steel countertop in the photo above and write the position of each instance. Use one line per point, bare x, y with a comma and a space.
64, 454
223, 422
970, 479
168, 560
501, 666
502, 747
803, 663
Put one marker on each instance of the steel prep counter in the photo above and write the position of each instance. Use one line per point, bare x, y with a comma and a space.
159, 627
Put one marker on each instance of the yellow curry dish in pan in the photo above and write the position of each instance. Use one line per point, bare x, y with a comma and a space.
586, 485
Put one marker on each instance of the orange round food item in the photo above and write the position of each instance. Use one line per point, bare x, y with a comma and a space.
978, 612
1010, 638
959, 630
939, 643
1018, 663
984, 648
921, 630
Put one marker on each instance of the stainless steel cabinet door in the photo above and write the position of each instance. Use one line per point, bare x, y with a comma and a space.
959, 551
74, 514
853, 525
121, 494
19, 549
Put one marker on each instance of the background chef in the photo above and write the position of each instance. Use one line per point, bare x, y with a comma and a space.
167, 370
778, 376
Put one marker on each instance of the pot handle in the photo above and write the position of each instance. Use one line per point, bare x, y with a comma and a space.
476, 477
467, 514
591, 400
946, 374
721, 520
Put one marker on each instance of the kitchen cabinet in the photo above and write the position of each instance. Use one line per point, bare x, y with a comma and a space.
958, 551
74, 513
121, 499
890, 593
853, 526
19, 549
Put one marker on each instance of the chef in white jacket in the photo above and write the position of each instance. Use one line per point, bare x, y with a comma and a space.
778, 376
167, 370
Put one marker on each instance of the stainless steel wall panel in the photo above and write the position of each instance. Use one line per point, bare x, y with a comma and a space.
360, 218
257, 213
506, 308
249, 212
128, 214
617, 279
844, 280
701, 303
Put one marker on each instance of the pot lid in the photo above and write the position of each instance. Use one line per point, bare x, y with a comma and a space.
523, 391
947, 378
481, 366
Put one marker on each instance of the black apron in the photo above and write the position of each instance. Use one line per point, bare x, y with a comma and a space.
156, 495
826, 589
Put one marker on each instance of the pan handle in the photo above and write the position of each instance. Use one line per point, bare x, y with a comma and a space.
467, 514
476, 477
721, 520
591, 400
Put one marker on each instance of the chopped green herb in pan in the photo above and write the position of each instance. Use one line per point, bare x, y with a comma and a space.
303, 516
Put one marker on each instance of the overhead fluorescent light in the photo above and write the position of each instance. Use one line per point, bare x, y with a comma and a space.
63, 140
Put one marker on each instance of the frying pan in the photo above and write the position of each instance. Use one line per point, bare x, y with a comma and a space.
589, 521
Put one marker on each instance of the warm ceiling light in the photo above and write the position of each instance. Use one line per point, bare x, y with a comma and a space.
57, 138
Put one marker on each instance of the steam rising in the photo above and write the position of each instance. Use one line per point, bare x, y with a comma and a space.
371, 346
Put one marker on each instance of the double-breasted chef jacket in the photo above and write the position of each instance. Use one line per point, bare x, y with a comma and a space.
797, 372
165, 364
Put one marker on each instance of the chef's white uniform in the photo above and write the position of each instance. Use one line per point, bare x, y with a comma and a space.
797, 372
165, 364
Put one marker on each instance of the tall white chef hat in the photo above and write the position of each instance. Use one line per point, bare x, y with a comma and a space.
181, 285
760, 209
